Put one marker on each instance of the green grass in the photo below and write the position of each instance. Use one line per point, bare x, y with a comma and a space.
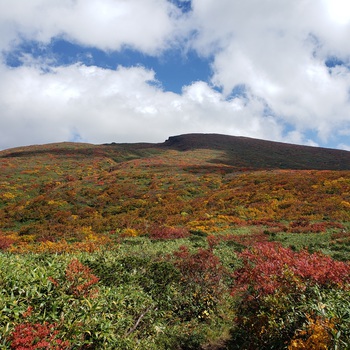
313, 242
128, 291
298, 241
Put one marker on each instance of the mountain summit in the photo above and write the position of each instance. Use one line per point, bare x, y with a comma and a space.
231, 151
255, 153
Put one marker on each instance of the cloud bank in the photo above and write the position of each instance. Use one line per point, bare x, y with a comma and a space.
280, 71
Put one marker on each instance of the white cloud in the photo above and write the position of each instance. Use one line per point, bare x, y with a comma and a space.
146, 25
119, 105
344, 147
278, 51
275, 49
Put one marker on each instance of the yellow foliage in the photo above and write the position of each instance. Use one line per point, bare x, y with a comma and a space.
61, 246
30, 172
130, 232
345, 204
86, 230
8, 195
27, 238
317, 336
59, 203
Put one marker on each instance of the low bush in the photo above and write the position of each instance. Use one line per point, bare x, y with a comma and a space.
176, 294
28, 336
274, 288
164, 232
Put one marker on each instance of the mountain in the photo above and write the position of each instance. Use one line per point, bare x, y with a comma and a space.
177, 239
174, 245
231, 151
255, 153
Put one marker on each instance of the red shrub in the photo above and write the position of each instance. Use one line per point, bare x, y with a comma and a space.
304, 225
201, 267
6, 242
80, 279
269, 266
28, 336
214, 240
164, 232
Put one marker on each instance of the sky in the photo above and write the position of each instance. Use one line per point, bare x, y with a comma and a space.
102, 71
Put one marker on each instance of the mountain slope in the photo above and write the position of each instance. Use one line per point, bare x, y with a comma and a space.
232, 151
177, 239
254, 153
71, 191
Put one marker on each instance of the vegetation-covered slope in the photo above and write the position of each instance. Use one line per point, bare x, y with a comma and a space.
70, 191
254, 153
201, 242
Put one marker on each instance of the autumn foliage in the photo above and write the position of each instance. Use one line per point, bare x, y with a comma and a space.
74, 192
272, 283
180, 245
27, 336
168, 233
267, 267
317, 335
80, 279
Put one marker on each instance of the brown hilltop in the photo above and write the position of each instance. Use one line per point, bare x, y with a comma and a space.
255, 153
234, 151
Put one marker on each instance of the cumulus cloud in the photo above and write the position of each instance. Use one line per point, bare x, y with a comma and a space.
123, 105
279, 50
146, 25
280, 71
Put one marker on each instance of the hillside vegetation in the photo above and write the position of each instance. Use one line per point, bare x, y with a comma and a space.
200, 242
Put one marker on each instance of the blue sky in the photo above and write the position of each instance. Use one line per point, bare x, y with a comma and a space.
174, 68
142, 70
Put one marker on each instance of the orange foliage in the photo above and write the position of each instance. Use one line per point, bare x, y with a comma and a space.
80, 279
318, 335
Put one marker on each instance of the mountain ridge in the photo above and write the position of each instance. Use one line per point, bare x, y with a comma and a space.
272, 154
236, 151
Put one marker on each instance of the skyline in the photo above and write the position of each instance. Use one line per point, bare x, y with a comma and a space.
102, 71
